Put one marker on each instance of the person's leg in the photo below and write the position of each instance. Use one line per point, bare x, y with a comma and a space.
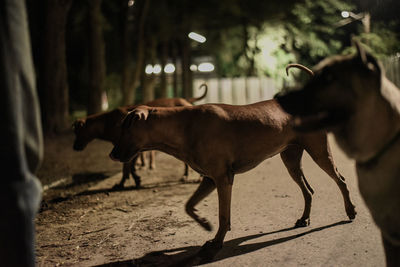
21, 141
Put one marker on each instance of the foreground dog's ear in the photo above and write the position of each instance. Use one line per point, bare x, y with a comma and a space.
366, 59
134, 115
362, 55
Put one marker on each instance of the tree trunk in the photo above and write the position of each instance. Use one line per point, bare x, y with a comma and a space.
149, 85
175, 74
97, 65
186, 72
150, 80
129, 94
55, 83
163, 77
126, 46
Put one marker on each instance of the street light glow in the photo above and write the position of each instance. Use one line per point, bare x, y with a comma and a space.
148, 69
345, 14
206, 67
197, 37
193, 67
169, 68
157, 69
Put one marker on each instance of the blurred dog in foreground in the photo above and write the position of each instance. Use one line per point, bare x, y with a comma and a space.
351, 97
220, 141
105, 126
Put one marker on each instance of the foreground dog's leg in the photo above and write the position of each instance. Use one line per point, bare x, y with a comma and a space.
392, 253
291, 157
321, 154
206, 186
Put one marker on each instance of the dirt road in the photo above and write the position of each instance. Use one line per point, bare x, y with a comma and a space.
84, 223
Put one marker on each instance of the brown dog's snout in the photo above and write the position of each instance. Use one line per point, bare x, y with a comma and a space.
78, 146
114, 154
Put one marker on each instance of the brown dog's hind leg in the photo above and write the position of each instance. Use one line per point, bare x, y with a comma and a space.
291, 157
320, 152
224, 188
206, 186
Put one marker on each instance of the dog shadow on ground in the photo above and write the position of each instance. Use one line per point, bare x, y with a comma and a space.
189, 256
80, 183
131, 188
67, 188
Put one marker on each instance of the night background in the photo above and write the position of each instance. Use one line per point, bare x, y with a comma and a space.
86, 50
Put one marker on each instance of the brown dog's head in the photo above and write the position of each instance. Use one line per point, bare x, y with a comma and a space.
133, 136
82, 135
339, 86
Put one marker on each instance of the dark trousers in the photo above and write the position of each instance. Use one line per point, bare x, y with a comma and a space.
21, 142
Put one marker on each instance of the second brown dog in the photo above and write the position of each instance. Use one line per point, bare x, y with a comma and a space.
105, 126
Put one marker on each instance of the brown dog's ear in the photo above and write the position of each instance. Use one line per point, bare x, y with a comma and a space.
78, 124
135, 115
141, 113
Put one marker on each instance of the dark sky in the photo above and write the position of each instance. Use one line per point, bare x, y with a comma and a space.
381, 9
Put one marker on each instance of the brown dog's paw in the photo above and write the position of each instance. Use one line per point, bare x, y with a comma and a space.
351, 213
205, 224
209, 250
118, 187
302, 222
183, 179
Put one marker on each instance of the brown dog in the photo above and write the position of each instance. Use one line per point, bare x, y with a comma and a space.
219, 141
105, 126
350, 96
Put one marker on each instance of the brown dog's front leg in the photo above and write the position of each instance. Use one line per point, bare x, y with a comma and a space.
291, 157
142, 161
125, 175
185, 174
152, 160
128, 167
136, 177
206, 186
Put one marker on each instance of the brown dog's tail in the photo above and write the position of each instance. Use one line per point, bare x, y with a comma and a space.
194, 99
299, 66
